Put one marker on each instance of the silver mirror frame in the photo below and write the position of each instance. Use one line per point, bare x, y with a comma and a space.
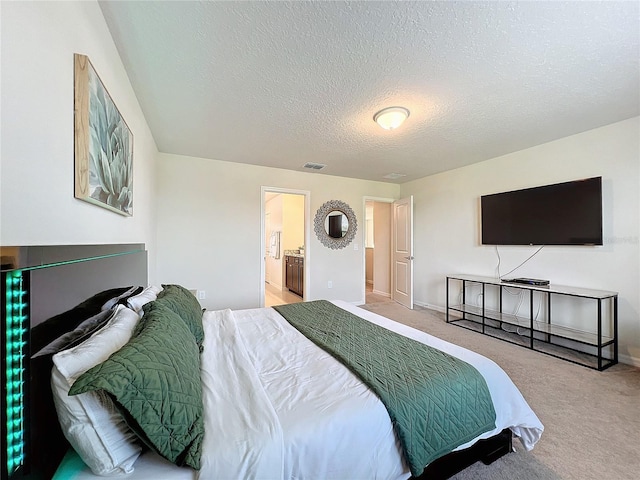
321, 215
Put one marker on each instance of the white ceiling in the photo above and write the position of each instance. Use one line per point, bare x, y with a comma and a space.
284, 83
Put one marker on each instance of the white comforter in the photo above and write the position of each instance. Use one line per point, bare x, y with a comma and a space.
278, 407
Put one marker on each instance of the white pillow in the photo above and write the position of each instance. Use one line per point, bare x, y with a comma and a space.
90, 421
149, 294
78, 335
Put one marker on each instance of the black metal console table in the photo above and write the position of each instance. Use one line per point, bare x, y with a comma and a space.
594, 344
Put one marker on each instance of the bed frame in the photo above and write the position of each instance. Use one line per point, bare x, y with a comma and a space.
485, 451
41, 283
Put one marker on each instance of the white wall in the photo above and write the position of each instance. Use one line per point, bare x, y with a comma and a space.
293, 221
368, 265
274, 266
37, 204
209, 229
382, 241
447, 225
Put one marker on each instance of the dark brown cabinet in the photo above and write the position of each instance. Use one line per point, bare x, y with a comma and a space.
295, 274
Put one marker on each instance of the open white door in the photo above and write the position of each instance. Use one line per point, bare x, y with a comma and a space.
402, 252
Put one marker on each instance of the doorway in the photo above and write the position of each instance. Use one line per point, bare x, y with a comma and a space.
377, 282
389, 251
284, 235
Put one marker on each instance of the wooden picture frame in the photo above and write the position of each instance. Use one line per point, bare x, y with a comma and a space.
103, 144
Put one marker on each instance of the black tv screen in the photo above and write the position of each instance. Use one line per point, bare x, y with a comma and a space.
568, 213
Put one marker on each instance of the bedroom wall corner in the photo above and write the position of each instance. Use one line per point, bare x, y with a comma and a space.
209, 229
37, 204
447, 226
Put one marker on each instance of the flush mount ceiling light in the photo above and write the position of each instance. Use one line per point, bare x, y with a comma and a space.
391, 118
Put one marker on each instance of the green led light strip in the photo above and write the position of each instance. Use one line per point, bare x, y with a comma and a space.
80, 260
17, 324
15, 342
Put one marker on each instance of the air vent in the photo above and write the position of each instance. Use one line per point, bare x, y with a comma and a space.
393, 176
314, 166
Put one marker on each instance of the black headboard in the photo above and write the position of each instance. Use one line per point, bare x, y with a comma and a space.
44, 293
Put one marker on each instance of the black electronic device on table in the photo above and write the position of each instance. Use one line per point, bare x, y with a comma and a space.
527, 281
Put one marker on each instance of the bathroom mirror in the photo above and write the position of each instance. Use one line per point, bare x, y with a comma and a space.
335, 224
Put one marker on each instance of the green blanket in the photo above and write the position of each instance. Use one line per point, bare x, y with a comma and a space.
435, 401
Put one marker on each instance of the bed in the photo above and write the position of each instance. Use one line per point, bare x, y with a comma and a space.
276, 405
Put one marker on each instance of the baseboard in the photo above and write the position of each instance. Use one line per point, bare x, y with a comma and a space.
382, 294
629, 360
431, 307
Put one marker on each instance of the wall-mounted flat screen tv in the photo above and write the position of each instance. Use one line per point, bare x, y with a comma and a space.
568, 213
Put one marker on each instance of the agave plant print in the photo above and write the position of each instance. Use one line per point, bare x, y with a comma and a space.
103, 144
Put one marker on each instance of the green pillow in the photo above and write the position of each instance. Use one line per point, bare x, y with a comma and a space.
155, 382
182, 302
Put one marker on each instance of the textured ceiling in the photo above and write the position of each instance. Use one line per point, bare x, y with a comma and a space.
284, 83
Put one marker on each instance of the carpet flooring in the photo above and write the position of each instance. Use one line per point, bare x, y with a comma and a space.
591, 418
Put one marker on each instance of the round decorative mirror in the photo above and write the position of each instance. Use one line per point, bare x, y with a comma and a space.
335, 224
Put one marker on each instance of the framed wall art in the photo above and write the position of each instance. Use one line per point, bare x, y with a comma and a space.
103, 149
